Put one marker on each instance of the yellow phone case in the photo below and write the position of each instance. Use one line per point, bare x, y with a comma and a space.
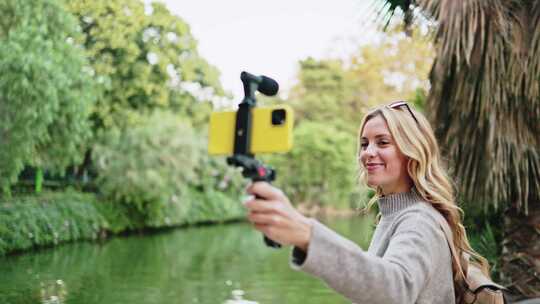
265, 136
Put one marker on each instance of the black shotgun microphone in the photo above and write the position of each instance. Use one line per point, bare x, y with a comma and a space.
265, 85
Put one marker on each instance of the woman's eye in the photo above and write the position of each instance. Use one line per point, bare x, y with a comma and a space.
382, 143
363, 145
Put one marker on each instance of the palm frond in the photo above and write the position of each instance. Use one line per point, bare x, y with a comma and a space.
485, 97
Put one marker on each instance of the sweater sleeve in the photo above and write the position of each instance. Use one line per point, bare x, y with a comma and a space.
396, 277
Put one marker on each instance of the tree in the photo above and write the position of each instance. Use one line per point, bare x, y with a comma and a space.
146, 59
487, 73
323, 91
149, 164
395, 67
161, 165
45, 89
321, 168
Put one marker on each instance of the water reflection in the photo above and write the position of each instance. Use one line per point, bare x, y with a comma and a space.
237, 298
193, 265
53, 292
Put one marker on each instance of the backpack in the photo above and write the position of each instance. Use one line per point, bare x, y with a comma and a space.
479, 288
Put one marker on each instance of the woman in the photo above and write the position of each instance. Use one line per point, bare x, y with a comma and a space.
408, 260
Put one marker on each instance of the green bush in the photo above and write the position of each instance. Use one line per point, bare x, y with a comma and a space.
486, 244
52, 218
149, 164
321, 168
214, 206
119, 217
485, 232
160, 167
214, 175
48, 219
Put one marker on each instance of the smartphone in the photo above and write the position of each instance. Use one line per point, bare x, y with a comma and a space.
271, 130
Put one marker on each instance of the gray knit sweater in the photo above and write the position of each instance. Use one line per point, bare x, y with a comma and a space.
408, 260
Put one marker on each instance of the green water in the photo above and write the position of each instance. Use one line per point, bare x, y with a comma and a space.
187, 265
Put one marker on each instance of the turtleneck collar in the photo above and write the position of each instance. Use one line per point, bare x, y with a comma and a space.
392, 203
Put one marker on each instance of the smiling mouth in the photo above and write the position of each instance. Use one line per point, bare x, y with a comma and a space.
372, 167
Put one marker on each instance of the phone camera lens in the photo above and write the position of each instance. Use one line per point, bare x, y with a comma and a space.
278, 117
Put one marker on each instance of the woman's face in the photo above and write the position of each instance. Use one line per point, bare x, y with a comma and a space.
384, 163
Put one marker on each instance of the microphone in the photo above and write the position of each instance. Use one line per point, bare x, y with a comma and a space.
265, 85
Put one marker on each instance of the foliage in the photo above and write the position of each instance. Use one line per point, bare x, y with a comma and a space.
393, 68
149, 164
321, 168
155, 167
196, 207
213, 206
214, 174
45, 89
324, 92
146, 58
48, 219
419, 100
52, 218
486, 244
485, 232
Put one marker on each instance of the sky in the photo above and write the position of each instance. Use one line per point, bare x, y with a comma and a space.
270, 37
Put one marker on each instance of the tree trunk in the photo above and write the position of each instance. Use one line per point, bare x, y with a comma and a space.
521, 251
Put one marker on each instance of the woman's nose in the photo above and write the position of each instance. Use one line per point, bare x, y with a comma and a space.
370, 150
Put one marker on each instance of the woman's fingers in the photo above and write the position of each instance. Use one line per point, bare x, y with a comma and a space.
265, 191
266, 219
259, 205
271, 213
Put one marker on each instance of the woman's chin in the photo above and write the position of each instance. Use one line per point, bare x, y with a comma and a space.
372, 184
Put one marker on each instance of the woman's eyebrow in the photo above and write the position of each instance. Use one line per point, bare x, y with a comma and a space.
377, 136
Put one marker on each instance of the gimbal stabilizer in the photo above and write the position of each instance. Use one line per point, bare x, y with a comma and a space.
242, 157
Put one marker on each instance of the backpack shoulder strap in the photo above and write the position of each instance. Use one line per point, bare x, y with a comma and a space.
449, 239
474, 278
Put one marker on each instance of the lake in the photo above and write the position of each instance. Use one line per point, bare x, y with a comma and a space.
204, 264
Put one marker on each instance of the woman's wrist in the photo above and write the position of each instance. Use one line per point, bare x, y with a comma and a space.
306, 229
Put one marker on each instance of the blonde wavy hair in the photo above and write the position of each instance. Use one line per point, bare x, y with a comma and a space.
416, 140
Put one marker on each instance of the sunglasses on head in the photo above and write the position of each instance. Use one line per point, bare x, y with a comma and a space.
401, 103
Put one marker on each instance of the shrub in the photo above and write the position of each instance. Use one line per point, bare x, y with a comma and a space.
485, 232
52, 218
48, 219
148, 164
157, 168
321, 168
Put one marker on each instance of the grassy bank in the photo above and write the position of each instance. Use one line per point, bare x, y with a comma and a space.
52, 218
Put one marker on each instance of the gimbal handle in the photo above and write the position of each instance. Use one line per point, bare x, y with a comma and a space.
257, 172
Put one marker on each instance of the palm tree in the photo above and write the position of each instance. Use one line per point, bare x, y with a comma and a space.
485, 106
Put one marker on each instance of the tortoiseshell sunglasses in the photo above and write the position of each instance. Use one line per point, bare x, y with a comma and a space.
401, 103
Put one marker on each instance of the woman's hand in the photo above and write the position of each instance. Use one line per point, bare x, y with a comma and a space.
274, 216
